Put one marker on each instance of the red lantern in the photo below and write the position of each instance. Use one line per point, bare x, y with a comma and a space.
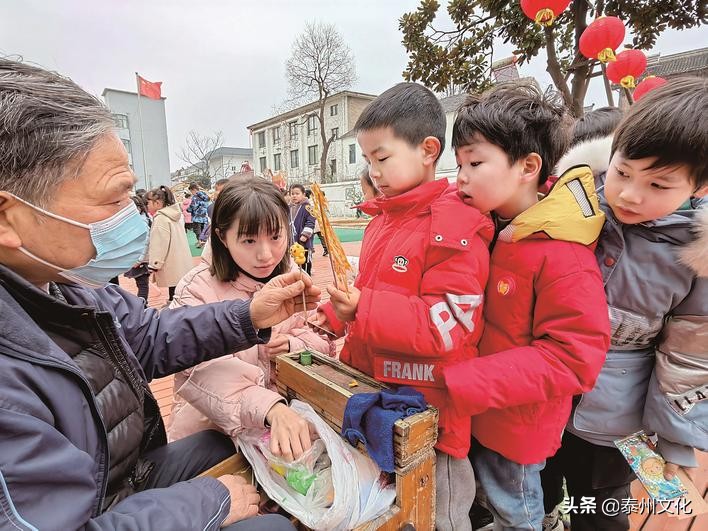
647, 85
630, 64
543, 12
601, 38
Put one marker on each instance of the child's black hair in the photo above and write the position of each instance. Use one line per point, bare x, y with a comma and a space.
163, 194
365, 177
410, 110
298, 186
595, 124
519, 119
140, 204
669, 123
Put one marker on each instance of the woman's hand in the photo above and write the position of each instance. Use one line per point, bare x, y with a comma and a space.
278, 344
289, 432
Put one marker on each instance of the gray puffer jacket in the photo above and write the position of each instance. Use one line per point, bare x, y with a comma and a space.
54, 449
655, 376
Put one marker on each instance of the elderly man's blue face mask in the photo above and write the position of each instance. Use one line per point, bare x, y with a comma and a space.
120, 242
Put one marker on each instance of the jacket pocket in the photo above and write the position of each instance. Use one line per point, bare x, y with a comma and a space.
615, 405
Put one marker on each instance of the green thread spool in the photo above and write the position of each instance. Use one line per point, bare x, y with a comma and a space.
305, 357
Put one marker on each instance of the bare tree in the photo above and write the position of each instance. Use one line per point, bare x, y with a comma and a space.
321, 64
199, 151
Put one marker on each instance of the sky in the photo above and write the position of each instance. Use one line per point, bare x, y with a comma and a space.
222, 63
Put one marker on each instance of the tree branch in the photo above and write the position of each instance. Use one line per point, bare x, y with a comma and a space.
553, 67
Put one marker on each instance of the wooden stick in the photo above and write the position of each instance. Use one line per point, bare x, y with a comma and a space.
304, 301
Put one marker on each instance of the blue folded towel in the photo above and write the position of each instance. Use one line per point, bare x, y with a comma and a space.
369, 418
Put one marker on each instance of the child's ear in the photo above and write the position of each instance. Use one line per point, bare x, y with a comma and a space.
701, 192
431, 149
531, 166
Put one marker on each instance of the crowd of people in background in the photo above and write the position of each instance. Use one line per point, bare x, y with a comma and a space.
168, 257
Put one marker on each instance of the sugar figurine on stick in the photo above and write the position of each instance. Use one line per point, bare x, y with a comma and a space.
337, 258
297, 251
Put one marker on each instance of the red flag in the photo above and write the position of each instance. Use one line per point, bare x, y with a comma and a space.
149, 89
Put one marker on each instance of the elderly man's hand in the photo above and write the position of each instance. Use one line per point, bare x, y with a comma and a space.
244, 499
282, 297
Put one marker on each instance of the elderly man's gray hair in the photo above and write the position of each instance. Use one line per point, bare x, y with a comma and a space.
48, 125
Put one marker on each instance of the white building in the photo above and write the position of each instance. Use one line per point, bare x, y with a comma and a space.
291, 142
225, 161
124, 105
504, 70
188, 173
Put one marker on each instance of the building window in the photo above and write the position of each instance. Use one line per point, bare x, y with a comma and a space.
333, 167
276, 135
276, 162
334, 110
352, 153
292, 126
335, 133
294, 159
312, 155
233, 169
261, 139
121, 121
311, 124
126, 144
263, 164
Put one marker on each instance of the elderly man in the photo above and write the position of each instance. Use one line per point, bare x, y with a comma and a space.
82, 444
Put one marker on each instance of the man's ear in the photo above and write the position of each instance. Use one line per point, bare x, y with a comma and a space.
531, 166
8, 236
431, 149
701, 192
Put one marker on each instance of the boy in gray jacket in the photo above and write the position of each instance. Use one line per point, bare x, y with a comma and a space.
653, 254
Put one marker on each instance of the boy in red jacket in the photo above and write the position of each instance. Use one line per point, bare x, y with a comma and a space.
416, 305
547, 328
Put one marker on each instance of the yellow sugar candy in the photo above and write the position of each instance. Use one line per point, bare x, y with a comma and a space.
297, 251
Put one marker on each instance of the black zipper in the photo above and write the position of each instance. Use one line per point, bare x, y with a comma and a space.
118, 361
126, 370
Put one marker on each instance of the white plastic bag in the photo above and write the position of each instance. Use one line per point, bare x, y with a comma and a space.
359, 493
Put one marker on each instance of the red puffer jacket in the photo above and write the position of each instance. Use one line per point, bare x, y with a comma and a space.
547, 326
423, 267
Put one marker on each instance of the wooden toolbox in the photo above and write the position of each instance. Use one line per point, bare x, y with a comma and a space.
326, 385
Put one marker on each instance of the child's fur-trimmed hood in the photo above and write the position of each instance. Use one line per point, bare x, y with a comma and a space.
695, 253
594, 153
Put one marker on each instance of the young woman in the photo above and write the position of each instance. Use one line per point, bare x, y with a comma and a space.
248, 246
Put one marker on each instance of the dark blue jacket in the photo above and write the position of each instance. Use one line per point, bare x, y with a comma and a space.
53, 453
302, 224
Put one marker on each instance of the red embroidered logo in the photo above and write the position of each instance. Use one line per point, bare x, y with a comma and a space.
506, 286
